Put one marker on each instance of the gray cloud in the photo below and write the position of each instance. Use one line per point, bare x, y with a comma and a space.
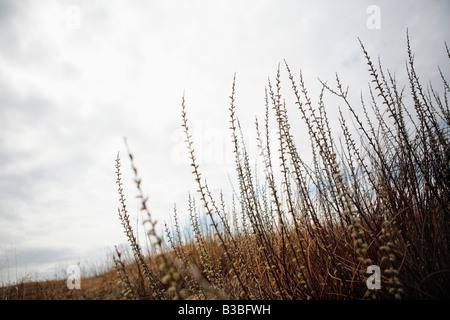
11, 12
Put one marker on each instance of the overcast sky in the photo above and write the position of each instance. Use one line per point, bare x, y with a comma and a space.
76, 77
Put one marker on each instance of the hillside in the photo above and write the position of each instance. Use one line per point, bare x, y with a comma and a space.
101, 287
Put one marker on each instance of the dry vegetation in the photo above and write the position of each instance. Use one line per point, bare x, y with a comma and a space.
99, 287
380, 197
382, 201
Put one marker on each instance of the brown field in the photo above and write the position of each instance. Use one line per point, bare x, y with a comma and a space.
104, 287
